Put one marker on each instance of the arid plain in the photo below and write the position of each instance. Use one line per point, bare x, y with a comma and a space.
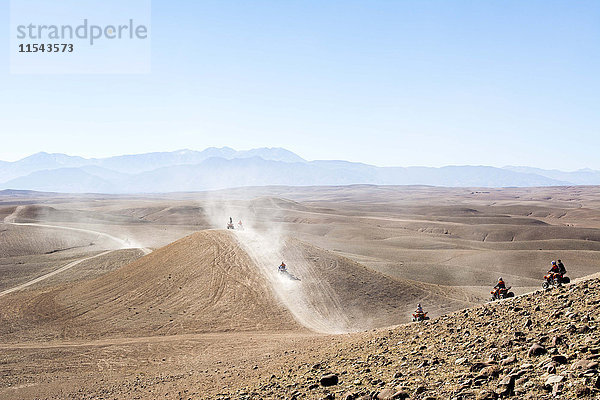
150, 296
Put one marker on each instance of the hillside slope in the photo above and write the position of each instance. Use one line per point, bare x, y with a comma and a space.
216, 281
201, 283
539, 346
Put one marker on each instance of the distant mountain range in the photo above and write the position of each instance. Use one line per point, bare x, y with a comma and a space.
219, 168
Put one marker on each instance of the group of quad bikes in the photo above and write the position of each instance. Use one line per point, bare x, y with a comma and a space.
240, 226
554, 278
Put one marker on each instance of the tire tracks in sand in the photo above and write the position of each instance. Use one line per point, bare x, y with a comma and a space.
11, 220
312, 301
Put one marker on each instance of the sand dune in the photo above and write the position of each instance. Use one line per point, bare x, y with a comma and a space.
206, 283
202, 283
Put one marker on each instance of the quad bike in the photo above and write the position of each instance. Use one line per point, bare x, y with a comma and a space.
418, 317
240, 226
230, 226
554, 279
499, 293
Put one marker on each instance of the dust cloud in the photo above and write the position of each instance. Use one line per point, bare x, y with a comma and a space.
311, 300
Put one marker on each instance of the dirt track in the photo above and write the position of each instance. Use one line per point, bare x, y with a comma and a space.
50, 274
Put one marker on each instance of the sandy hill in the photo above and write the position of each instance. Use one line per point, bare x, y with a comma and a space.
201, 283
43, 213
364, 298
276, 203
31, 240
219, 281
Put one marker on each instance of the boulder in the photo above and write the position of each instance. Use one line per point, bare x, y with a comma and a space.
553, 379
492, 370
584, 365
559, 359
506, 386
385, 394
486, 395
389, 394
329, 380
537, 350
508, 360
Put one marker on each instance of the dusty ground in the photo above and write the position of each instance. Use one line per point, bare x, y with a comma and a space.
209, 314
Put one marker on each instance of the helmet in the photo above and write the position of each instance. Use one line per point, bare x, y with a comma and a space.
553, 262
499, 279
419, 305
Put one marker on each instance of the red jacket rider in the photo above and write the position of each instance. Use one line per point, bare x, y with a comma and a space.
554, 269
419, 310
500, 284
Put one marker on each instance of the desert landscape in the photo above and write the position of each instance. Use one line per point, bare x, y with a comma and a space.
149, 296
300, 200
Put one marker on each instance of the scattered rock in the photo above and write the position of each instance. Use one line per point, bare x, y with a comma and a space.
553, 379
506, 386
329, 380
401, 394
491, 371
420, 390
556, 340
486, 395
557, 389
509, 360
583, 391
585, 365
560, 359
537, 350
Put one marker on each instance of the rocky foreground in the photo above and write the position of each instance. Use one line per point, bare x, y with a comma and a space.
539, 346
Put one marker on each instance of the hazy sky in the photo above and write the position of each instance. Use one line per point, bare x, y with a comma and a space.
382, 82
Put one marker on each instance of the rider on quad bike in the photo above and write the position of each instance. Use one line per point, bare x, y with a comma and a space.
555, 275
282, 267
561, 267
555, 271
501, 291
230, 224
419, 314
500, 284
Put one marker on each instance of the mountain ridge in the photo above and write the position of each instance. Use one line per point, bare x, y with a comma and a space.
225, 167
